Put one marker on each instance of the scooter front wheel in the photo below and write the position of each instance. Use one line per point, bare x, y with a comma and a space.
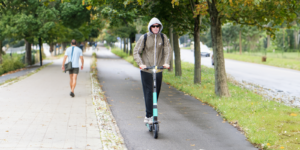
155, 130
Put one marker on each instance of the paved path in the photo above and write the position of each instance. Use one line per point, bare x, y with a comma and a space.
187, 124
23, 72
37, 112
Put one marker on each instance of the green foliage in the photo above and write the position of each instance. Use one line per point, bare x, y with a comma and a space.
110, 38
74, 14
11, 63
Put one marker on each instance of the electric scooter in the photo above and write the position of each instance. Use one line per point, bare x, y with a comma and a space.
155, 125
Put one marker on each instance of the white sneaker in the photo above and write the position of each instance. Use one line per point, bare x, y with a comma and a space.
151, 120
146, 120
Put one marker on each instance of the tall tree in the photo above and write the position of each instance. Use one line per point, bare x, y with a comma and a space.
251, 12
27, 20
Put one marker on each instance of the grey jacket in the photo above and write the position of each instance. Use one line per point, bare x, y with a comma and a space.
153, 54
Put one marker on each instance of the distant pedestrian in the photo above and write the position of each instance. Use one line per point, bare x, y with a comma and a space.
152, 49
73, 54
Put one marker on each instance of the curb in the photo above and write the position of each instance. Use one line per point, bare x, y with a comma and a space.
109, 132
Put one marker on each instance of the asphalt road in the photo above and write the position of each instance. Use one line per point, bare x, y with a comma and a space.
275, 78
186, 123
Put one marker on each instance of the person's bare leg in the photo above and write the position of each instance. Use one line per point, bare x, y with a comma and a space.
74, 82
71, 80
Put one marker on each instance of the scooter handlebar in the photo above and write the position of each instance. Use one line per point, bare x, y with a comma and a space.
158, 67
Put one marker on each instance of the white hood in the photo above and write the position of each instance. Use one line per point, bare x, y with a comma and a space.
154, 21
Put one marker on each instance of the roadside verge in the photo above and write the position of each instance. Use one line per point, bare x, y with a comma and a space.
109, 132
16, 79
271, 61
267, 124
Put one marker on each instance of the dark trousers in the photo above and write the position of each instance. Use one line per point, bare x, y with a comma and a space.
147, 81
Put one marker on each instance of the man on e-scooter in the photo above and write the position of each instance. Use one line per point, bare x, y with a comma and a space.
152, 49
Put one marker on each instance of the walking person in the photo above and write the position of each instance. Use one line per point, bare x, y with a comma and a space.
73, 54
152, 49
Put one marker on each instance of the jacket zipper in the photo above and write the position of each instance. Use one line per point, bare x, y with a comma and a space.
155, 52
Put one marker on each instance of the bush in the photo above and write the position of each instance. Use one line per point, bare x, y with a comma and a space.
11, 63
1, 70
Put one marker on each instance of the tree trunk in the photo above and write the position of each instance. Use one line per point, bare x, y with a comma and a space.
64, 45
0, 51
28, 53
283, 44
54, 49
41, 53
197, 51
221, 88
240, 40
124, 45
131, 49
177, 55
296, 39
227, 46
51, 48
172, 47
268, 41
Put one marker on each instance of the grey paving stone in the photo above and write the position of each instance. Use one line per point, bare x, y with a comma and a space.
39, 114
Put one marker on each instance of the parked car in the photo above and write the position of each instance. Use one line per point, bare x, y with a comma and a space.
212, 59
204, 49
205, 53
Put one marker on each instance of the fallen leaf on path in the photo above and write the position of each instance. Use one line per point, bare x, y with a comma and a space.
91, 124
6, 131
83, 125
192, 144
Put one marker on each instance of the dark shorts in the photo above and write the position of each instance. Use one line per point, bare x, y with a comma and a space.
74, 71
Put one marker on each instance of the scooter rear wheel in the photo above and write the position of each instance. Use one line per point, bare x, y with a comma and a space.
155, 130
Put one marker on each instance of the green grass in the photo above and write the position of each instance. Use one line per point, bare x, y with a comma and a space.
266, 124
271, 61
277, 54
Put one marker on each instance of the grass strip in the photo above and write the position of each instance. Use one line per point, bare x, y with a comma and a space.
266, 124
271, 61
16, 79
